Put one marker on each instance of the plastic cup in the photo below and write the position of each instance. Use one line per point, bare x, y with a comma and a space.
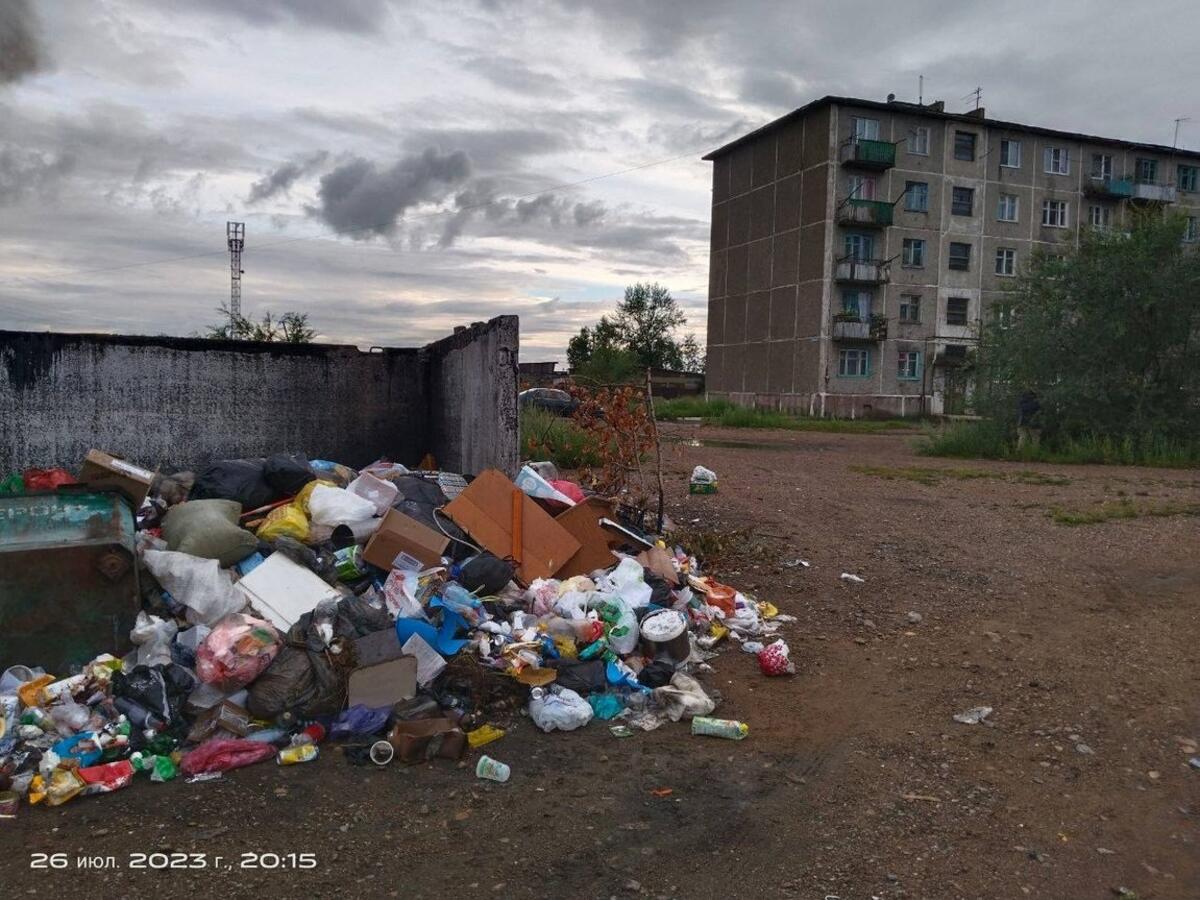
492, 769
382, 753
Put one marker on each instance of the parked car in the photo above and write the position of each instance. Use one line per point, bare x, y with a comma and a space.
550, 399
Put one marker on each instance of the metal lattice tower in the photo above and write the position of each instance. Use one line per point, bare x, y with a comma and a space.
235, 237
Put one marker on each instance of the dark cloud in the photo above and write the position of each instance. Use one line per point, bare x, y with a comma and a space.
27, 172
280, 180
21, 52
667, 98
362, 200
355, 16
510, 74
490, 149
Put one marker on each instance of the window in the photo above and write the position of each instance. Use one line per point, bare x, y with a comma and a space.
908, 365
1006, 261
854, 363
1192, 233
1006, 209
962, 201
1146, 170
866, 129
1189, 176
1058, 161
1010, 154
1101, 166
1054, 213
912, 253
956, 310
857, 303
960, 256
916, 196
910, 308
860, 187
859, 247
918, 141
1099, 216
964, 145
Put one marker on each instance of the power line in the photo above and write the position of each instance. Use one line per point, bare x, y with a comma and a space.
375, 226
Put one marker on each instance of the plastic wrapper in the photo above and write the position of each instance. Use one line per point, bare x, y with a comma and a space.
105, 779
332, 506
153, 637
222, 755
358, 721
64, 784
236, 652
773, 660
684, 698
535, 485
284, 521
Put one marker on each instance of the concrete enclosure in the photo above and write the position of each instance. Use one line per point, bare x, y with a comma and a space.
174, 403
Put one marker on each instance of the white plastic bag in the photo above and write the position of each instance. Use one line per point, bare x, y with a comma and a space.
332, 506
684, 698
628, 580
623, 635
701, 475
400, 593
199, 584
381, 493
152, 636
558, 708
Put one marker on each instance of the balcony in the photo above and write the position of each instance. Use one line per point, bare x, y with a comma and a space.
865, 154
1109, 188
1149, 192
850, 327
865, 213
861, 271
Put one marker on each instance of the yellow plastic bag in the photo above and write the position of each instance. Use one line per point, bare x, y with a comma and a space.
30, 693
300, 501
64, 784
289, 521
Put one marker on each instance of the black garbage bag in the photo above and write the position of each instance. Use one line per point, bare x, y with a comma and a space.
581, 676
235, 479
656, 674
287, 474
486, 574
356, 618
159, 690
660, 591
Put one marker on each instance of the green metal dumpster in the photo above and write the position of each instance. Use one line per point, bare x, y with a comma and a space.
68, 578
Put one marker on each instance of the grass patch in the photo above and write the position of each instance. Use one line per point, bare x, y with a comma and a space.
930, 475
988, 440
547, 436
724, 413
1121, 509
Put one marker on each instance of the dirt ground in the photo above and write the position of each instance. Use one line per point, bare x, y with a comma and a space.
855, 781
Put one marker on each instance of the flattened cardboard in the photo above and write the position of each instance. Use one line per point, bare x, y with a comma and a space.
492, 508
103, 470
422, 739
582, 522
384, 684
398, 534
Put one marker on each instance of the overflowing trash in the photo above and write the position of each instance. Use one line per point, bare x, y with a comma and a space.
282, 604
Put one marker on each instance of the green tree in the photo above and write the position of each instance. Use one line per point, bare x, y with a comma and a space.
643, 326
1108, 336
291, 328
694, 355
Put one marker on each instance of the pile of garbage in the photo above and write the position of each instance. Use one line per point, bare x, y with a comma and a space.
407, 614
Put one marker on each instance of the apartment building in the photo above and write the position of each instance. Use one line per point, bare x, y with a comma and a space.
859, 248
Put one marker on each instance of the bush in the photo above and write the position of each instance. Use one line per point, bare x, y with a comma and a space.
724, 413
547, 436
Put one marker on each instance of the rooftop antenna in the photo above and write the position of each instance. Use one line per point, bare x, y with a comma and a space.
977, 94
920, 90
1175, 142
235, 238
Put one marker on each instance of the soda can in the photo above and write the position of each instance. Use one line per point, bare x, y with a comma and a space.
289, 756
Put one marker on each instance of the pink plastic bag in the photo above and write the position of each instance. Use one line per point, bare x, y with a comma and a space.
773, 660
220, 755
236, 652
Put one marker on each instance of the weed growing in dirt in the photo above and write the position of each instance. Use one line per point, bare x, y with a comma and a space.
932, 476
716, 549
988, 440
547, 436
1121, 509
722, 412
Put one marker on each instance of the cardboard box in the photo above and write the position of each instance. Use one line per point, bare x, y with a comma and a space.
419, 740
398, 534
582, 522
103, 470
225, 716
385, 683
504, 520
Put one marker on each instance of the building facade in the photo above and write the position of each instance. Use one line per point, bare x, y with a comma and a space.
859, 248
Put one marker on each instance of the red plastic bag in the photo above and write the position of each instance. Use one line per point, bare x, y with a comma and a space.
773, 660
46, 479
570, 489
236, 652
106, 778
219, 755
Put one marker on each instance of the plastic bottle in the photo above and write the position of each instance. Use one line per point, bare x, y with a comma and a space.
722, 728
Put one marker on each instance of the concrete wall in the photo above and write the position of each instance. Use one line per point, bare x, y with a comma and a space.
173, 403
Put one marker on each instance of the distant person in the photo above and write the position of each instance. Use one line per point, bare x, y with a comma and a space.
1028, 430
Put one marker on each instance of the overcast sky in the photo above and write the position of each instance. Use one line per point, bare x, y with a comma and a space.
391, 159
